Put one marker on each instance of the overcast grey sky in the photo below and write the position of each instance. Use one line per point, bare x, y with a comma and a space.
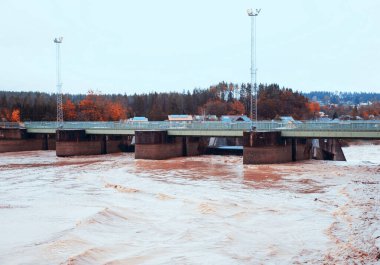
146, 45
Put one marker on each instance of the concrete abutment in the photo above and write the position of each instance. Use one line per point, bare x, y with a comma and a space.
18, 140
271, 148
158, 145
77, 142
328, 149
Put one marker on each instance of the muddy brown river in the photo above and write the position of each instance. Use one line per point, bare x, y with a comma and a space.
113, 209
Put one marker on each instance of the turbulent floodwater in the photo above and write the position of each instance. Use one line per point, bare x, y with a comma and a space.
113, 209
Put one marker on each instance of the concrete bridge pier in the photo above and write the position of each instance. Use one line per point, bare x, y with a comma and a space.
271, 148
75, 142
158, 145
48, 140
328, 149
18, 139
117, 143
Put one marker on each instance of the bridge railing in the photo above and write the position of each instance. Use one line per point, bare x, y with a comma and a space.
6, 124
339, 126
212, 125
196, 125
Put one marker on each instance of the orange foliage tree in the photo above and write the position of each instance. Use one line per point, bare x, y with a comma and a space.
69, 111
236, 108
116, 111
15, 116
91, 107
95, 107
313, 107
215, 107
370, 111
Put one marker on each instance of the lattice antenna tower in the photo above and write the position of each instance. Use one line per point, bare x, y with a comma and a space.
58, 42
253, 14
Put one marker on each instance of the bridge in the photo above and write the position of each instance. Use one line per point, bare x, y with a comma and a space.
263, 141
307, 129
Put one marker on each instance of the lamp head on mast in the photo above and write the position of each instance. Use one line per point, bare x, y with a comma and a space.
253, 13
58, 40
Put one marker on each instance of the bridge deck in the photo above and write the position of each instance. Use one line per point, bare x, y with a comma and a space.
308, 129
331, 134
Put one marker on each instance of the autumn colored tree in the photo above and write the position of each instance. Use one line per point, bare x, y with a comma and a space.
216, 107
5, 114
69, 111
364, 114
219, 99
95, 107
369, 111
15, 116
91, 107
274, 101
314, 108
116, 111
236, 108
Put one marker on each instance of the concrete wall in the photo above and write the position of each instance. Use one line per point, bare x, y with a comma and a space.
17, 140
21, 145
78, 148
267, 155
13, 133
77, 142
158, 145
158, 151
48, 140
195, 146
113, 146
303, 149
329, 149
271, 148
51, 143
265, 148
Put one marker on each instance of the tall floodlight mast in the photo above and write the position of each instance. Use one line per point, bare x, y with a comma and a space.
253, 14
58, 42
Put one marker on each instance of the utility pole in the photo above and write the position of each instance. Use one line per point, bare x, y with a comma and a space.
58, 42
253, 14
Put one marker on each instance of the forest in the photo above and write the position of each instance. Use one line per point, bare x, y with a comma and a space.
221, 99
342, 97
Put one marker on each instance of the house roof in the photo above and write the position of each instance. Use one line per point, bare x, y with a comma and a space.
233, 118
139, 119
180, 117
206, 117
286, 118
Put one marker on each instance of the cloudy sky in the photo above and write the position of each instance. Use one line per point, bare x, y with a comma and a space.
147, 45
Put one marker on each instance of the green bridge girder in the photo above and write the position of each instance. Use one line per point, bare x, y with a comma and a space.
331, 134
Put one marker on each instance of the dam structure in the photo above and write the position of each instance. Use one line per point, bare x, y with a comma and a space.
263, 142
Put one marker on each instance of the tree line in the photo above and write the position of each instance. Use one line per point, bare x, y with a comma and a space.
221, 99
349, 98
